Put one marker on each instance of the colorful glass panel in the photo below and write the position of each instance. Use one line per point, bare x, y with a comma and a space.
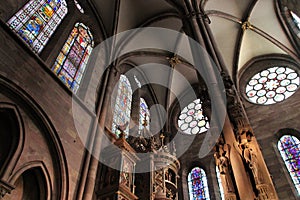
197, 181
272, 85
144, 110
37, 20
289, 147
137, 81
296, 19
79, 7
192, 119
72, 60
122, 106
220, 183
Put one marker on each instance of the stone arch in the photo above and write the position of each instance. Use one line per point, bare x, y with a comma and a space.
59, 159
12, 138
29, 174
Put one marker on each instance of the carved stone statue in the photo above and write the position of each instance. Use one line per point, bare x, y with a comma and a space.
222, 161
249, 154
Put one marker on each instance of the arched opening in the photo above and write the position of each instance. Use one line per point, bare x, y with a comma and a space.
197, 183
31, 185
9, 136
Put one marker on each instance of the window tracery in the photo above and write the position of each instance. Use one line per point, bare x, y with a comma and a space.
192, 119
122, 110
37, 20
289, 148
71, 62
197, 182
272, 85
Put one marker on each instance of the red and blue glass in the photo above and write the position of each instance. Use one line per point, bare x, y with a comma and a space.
37, 20
289, 147
122, 108
198, 188
72, 60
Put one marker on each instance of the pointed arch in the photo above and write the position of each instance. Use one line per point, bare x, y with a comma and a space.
12, 136
71, 62
197, 182
38, 171
62, 181
289, 148
37, 20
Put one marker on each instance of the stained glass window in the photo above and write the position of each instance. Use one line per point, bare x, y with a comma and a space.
192, 120
122, 108
220, 183
37, 21
78, 6
144, 110
137, 81
72, 59
289, 147
296, 19
272, 85
197, 182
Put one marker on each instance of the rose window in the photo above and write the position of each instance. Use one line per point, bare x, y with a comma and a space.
272, 85
192, 120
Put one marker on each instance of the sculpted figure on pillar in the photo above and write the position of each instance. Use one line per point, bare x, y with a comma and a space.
222, 161
249, 154
236, 110
251, 159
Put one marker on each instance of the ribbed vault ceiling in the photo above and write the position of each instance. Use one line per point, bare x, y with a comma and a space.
237, 46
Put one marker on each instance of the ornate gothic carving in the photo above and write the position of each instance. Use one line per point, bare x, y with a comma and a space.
264, 192
249, 154
118, 181
222, 158
236, 110
159, 187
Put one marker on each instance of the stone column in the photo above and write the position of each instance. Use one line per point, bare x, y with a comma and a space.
90, 169
246, 146
222, 158
196, 27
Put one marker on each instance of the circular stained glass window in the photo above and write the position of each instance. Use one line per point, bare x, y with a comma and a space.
272, 85
79, 6
192, 119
